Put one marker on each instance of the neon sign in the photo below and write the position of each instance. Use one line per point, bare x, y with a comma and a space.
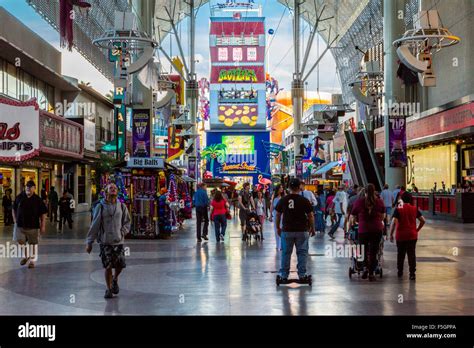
238, 167
237, 75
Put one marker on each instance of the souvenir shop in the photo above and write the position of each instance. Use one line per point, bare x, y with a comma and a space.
156, 195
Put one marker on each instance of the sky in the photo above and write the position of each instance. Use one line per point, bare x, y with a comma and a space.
280, 63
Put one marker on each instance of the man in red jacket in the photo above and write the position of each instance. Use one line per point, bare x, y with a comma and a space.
404, 218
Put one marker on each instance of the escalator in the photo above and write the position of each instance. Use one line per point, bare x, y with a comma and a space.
364, 167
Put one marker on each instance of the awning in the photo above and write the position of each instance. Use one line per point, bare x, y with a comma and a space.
326, 167
187, 178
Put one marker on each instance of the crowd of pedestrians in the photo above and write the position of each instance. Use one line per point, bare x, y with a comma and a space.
295, 219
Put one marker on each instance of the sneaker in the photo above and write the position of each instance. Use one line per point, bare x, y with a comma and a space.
400, 274
108, 294
412, 277
24, 261
31, 264
365, 275
372, 278
205, 238
222, 238
115, 288
199, 240
331, 235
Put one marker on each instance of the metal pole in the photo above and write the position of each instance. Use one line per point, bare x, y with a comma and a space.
297, 86
393, 29
192, 92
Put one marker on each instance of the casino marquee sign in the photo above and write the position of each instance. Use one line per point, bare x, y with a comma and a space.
237, 75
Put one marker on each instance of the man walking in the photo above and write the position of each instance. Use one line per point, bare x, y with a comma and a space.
65, 211
340, 205
388, 200
246, 203
53, 205
298, 219
308, 194
110, 225
29, 216
201, 202
7, 205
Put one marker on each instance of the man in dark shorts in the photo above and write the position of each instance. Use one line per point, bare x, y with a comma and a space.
246, 203
298, 219
29, 215
109, 226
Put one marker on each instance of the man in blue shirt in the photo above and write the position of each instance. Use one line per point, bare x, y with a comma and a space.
201, 202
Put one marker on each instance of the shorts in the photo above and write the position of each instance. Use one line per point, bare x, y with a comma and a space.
388, 210
243, 216
112, 256
30, 235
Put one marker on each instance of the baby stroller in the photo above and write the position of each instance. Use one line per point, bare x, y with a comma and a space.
358, 263
253, 227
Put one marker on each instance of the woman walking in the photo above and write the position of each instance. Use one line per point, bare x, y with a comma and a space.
261, 209
219, 207
369, 211
277, 195
319, 214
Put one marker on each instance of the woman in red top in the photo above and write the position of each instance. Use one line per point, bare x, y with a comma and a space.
219, 207
369, 211
404, 218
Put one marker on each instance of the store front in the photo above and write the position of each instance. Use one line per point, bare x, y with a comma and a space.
34, 145
432, 166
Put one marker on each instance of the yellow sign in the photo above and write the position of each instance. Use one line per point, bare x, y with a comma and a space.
237, 75
238, 167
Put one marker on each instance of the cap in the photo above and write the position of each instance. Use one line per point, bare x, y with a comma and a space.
295, 182
30, 183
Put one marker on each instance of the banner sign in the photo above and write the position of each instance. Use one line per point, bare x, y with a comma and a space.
141, 129
175, 143
397, 141
299, 167
192, 167
228, 74
19, 130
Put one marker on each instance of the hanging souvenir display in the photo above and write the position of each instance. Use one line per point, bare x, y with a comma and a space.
172, 200
144, 206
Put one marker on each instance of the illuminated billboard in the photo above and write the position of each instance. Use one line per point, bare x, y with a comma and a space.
238, 115
229, 74
239, 144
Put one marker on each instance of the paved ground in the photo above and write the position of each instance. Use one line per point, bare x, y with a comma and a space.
181, 277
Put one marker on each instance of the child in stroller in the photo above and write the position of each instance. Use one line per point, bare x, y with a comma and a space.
358, 262
253, 227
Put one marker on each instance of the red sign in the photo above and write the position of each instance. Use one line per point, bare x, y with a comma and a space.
237, 28
177, 88
230, 74
175, 144
446, 121
60, 136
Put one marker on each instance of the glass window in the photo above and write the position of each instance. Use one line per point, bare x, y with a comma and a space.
11, 81
50, 98
1, 75
27, 85
42, 95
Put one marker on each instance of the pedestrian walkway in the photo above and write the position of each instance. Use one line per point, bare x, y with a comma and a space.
181, 277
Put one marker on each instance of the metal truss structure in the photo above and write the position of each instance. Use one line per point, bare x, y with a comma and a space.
87, 27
